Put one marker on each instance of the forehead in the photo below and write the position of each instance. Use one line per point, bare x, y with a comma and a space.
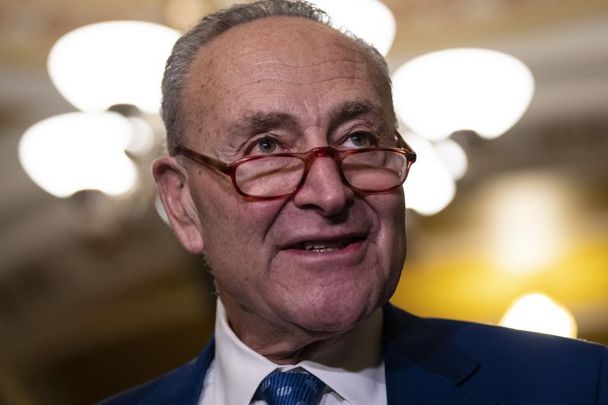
287, 65
298, 45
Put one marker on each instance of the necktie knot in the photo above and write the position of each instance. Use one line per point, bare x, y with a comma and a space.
294, 387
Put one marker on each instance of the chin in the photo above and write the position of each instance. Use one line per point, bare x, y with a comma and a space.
336, 314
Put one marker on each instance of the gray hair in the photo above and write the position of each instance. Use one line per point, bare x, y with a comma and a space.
213, 25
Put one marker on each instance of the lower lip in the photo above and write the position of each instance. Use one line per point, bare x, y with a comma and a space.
351, 252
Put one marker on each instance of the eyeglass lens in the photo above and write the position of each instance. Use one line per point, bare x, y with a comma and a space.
376, 170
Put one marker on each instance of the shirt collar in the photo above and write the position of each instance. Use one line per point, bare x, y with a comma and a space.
359, 378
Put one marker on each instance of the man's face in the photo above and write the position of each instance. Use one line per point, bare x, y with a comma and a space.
326, 257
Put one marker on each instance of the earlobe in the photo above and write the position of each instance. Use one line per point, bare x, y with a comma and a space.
173, 189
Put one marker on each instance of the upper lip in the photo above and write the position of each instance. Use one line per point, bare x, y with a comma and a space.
296, 241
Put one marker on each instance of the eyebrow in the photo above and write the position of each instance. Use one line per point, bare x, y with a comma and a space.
353, 109
261, 122
257, 122
349, 109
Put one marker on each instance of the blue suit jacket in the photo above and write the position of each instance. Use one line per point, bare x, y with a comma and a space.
437, 361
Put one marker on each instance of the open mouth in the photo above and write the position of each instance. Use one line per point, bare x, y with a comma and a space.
327, 245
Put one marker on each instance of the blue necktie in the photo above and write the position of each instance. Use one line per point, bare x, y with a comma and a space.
294, 387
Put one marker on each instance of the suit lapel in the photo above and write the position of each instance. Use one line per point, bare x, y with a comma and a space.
422, 365
184, 385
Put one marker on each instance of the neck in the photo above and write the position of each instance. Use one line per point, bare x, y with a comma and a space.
292, 344
283, 344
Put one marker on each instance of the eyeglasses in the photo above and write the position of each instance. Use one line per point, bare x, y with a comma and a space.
277, 175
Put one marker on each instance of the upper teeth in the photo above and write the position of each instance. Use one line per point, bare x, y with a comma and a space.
324, 246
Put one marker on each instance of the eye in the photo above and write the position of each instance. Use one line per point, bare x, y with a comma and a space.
263, 145
361, 139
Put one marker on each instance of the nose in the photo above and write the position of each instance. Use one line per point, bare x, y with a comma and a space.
323, 188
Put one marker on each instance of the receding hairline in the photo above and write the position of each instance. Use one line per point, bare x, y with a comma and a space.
206, 52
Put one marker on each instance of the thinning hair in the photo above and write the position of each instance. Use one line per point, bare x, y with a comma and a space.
211, 26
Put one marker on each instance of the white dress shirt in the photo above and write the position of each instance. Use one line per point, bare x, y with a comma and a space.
352, 369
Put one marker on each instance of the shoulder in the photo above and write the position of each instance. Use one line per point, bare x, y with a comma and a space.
505, 363
549, 366
498, 342
180, 386
477, 338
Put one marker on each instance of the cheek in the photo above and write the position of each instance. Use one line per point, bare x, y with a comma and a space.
230, 246
234, 229
390, 210
391, 214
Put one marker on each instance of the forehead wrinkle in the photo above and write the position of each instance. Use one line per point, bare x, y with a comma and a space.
306, 57
300, 82
296, 74
306, 63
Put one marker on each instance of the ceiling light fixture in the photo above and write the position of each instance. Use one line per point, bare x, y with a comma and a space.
78, 151
116, 62
481, 90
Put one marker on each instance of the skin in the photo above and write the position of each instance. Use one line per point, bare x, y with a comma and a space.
299, 80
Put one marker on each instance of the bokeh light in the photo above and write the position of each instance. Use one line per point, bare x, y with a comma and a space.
429, 187
526, 222
184, 14
453, 156
79, 151
116, 62
481, 90
370, 20
539, 313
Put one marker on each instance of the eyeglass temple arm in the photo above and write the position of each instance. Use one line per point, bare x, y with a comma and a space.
203, 160
403, 145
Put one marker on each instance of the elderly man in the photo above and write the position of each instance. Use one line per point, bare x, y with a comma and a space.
285, 172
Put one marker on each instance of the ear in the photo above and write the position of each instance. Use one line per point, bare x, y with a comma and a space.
174, 191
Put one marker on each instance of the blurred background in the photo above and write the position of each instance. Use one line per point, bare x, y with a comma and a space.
95, 293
